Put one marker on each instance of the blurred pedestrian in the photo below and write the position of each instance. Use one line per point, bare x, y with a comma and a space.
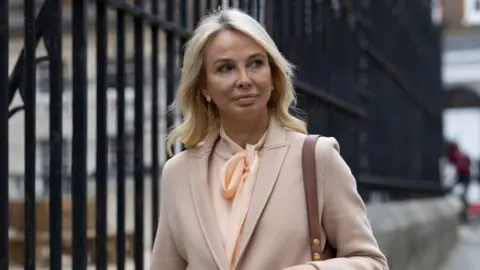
235, 199
462, 166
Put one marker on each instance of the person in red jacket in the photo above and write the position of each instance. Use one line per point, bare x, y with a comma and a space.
462, 166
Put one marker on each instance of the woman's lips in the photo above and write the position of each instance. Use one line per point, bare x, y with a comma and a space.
246, 100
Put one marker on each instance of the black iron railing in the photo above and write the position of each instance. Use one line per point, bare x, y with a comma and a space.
4, 159
367, 73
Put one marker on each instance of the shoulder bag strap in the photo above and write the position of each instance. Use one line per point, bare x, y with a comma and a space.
310, 184
311, 195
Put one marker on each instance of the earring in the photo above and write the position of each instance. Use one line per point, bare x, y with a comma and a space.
208, 98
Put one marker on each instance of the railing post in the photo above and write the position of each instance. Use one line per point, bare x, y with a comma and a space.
53, 42
139, 170
4, 104
170, 64
121, 159
79, 142
155, 168
30, 133
101, 167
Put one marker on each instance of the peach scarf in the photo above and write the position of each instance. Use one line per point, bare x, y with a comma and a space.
238, 176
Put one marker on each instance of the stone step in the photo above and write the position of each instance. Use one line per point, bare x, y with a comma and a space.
17, 247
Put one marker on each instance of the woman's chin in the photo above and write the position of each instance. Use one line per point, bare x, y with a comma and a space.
253, 113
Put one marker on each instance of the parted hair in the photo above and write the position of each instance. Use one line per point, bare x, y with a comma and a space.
199, 117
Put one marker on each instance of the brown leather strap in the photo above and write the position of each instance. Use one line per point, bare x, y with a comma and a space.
310, 184
311, 195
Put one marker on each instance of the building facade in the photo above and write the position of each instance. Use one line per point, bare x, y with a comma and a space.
461, 78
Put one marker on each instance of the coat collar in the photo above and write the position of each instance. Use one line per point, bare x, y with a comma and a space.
272, 157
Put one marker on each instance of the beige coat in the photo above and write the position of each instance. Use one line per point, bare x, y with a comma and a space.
276, 230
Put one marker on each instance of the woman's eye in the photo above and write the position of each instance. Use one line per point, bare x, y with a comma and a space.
224, 68
257, 63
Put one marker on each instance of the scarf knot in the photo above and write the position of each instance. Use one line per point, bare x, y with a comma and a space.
238, 176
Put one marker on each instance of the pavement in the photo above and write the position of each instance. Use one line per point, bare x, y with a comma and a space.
465, 256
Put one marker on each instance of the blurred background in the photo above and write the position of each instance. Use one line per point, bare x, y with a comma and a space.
85, 87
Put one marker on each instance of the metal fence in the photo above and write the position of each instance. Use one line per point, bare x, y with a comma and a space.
402, 80
367, 74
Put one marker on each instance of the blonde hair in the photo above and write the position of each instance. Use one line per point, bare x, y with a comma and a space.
199, 116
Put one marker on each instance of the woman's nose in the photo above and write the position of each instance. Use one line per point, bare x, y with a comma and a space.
244, 80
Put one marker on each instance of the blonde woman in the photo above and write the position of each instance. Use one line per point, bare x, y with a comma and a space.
235, 198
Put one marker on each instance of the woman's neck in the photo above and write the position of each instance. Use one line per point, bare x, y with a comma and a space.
244, 132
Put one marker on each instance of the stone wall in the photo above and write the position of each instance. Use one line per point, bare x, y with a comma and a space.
416, 234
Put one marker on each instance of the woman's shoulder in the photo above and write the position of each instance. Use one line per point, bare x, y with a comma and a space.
325, 145
175, 167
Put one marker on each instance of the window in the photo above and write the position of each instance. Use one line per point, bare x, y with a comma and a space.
471, 11
437, 11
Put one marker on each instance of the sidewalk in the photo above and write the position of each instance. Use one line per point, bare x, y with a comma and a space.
466, 255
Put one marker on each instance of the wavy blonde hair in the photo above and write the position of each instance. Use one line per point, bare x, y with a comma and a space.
199, 116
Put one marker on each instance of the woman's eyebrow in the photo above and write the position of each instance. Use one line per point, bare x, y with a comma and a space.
223, 59
226, 59
255, 55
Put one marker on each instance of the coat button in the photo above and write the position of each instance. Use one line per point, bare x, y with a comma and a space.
316, 256
316, 242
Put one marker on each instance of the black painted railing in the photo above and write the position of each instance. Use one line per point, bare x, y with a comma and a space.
367, 73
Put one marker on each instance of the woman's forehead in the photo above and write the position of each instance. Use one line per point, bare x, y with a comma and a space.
228, 43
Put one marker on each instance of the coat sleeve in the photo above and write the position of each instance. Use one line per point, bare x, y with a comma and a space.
344, 214
165, 255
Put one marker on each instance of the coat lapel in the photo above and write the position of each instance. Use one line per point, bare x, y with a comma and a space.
203, 203
271, 162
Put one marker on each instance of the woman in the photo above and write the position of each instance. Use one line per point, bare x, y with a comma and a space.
234, 199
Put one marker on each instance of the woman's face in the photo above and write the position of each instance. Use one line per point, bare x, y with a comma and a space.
238, 76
